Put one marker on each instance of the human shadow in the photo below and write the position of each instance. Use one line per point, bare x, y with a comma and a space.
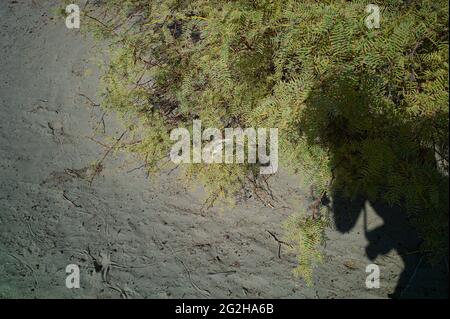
396, 233
378, 157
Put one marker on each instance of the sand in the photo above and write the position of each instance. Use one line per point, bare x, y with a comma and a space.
160, 243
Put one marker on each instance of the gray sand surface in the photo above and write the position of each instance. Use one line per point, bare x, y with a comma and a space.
159, 242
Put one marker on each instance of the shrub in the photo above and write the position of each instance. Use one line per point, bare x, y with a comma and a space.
362, 112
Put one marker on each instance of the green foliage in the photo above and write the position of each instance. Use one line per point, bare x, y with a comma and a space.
361, 111
306, 234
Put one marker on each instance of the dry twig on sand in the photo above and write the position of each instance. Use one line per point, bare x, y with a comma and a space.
99, 164
280, 242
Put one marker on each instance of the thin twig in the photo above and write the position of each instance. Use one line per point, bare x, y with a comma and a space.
99, 164
89, 99
70, 200
280, 242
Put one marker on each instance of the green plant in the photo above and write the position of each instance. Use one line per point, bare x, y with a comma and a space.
360, 111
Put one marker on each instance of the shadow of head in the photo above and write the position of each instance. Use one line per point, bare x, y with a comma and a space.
395, 233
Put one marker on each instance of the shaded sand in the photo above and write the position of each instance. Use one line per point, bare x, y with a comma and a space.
159, 242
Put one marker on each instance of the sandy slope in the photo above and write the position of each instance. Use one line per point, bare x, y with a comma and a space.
160, 243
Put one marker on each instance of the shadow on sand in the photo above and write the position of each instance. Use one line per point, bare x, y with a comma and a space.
378, 155
397, 234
